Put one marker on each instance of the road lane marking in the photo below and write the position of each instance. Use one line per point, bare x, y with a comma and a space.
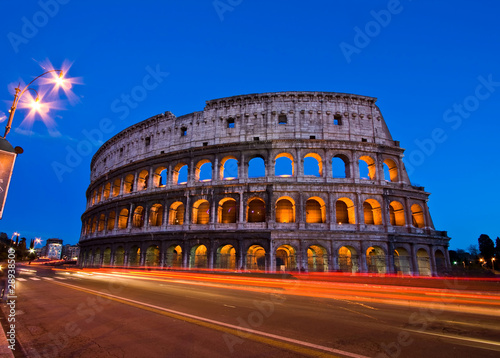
34, 278
229, 306
259, 336
362, 314
460, 338
48, 278
21, 279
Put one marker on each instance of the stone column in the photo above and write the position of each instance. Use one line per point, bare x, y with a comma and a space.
130, 216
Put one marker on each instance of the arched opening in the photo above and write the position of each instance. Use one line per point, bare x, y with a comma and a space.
256, 168
375, 259
176, 214
116, 187
180, 174
201, 212
94, 224
134, 256
315, 210
285, 210
111, 220
417, 216
229, 168
107, 190
256, 258
102, 222
97, 258
285, 258
128, 184
372, 212
156, 215
397, 213
424, 263
99, 193
106, 257
344, 211
93, 197
142, 180
123, 219
313, 165
203, 170
198, 257
348, 259
174, 256
227, 211
283, 166
366, 168
89, 258
317, 259
256, 210
138, 219
402, 261
440, 262
391, 170
119, 256
226, 258
160, 177
340, 167
153, 256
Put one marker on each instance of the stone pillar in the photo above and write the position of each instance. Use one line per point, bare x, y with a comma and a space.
408, 215
432, 257
130, 216
185, 255
211, 253
241, 218
151, 179
216, 170
169, 175
191, 175
146, 217
414, 261
241, 256
142, 257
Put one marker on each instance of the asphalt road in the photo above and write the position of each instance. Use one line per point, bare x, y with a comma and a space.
107, 314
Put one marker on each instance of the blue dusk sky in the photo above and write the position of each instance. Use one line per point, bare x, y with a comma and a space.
433, 65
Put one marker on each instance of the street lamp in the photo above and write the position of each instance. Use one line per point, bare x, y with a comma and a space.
492, 263
8, 153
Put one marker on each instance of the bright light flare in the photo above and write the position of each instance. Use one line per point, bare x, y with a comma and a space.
59, 79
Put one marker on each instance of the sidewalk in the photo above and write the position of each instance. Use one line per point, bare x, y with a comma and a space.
5, 352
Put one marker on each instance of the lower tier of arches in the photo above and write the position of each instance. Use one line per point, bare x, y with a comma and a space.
271, 255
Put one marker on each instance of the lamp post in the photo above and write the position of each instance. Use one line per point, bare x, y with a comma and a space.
8, 153
492, 263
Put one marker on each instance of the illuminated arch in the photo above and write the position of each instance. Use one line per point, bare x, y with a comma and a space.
424, 263
107, 190
99, 194
128, 184
317, 259
94, 224
397, 213
226, 257
440, 261
285, 210
256, 210
102, 221
367, 162
142, 180
256, 258
315, 210
285, 258
228, 168
93, 197
345, 211
375, 260
348, 259
284, 165
203, 170
97, 257
392, 169
179, 174
119, 256
134, 256
111, 220
123, 219
372, 212
201, 212
152, 256
417, 216
106, 257
138, 218
174, 256
227, 212
198, 257
315, 162
160, 177
176, 214
156, 215
402, 261
116, 187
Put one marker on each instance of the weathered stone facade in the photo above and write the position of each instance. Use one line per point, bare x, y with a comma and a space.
140, 213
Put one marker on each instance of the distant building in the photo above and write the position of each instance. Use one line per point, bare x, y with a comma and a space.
54, 248
70, 252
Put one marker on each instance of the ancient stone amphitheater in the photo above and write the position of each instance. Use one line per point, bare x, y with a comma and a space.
294, 181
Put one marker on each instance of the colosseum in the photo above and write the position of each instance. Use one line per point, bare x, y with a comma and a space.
285, 181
